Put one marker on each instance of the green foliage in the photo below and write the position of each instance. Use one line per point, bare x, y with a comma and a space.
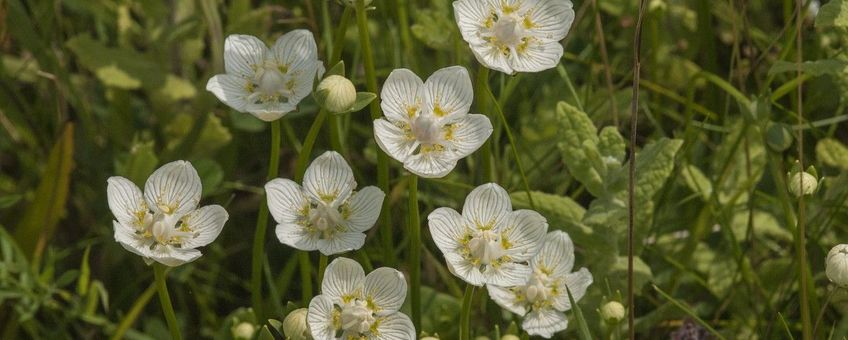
833, 14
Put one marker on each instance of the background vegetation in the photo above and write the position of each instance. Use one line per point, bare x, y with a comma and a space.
95, 88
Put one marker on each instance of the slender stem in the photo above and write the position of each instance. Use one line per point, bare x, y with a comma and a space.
415, 251
134, 312
336, 140
382, 158
165, 301
512, 145
405, 36
262, 226
806, 322
482, 87
465, 316
631, 192
308, 144
305, 277
322, 265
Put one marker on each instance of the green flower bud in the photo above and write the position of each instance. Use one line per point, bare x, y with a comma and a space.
337, 93
243, 330
612, 312
295, 326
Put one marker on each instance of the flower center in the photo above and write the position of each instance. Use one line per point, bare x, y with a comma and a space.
269, 79
426, 130
164, 232
508, 30
487, 247
357, 317
537, 289
324, 217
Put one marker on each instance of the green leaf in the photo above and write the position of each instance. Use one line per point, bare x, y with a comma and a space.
642, 273
117, 67
559, 210
48, 206
177, 88
211, 175
575, 129
697, 181
213, 136
139, 163
85, 273
779, 136
611, 144
338, 69
833, 13
832, 153
435, 26
582, 327
653, 167
362, 100
814, 68
7, 201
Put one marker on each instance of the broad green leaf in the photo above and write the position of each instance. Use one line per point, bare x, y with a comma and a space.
611, 144
833, 153
211, 175
177, 88
48, 205
117, 67
642, 273
560, 210
575, 129
697, 181
435, 26
139, 163
833, 13
440, 311
653, 167
112, 75
25, 70
814, 68
741, 158
213, 136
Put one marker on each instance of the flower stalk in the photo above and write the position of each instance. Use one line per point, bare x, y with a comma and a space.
258, 255
165, 300
465, 316
415, 251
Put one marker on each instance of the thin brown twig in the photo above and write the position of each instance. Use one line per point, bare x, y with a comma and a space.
631, 192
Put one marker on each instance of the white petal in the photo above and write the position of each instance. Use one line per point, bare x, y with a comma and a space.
242, 53
556, 255
386, 288
467, 134
126, 201
577, 283
450, 93
396, 326
343, 278
544, 322
393, 140
229, 89
285, 200
447, 228
471, 16
320, 318
492, 57
173, 189
525, 231
329, 178
464, 270
433, 164
206, 223
171, 256
365, 208
341, 242
127, 237
507, 274
551, 19
304, 77
296, 236
403, 95
295, 49
270, 111
537, 56
507, 298
486, 205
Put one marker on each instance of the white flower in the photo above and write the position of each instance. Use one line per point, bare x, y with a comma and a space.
164, 224
810, 184
837, 265
515, 35
352, 305
488, 243
542, 299
427, 126
267, 83
325, 214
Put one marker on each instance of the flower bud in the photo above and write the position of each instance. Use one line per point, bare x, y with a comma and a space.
810, 183
243, 330
295, 326
612, 312
337, 93
509, 337
837, 265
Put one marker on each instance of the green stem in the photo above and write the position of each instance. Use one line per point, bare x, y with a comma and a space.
405, 35
512, 145
165, 301
322, 266
485, 150
415, 251
308, 144
336, 140
262, 226
465, 316
305, 277
382, 158
134, 312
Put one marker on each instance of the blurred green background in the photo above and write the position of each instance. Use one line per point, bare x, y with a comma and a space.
94, 88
